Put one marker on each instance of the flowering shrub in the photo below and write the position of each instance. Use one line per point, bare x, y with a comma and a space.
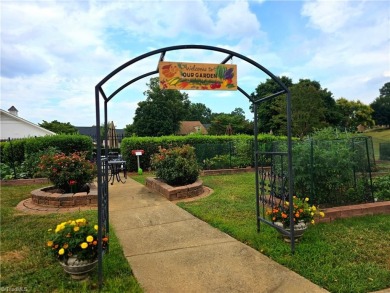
68, 173
176, 166
75, 238
302, 212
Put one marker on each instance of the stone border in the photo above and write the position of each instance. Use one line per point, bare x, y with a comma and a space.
44, 198
27, 206
175, 193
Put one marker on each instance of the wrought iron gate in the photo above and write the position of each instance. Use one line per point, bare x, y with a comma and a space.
103, 195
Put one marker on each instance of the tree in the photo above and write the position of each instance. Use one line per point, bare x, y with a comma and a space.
198, 112
354, 114
162, 111
59, 127
266, 110
308, 110
381, 106
234, 122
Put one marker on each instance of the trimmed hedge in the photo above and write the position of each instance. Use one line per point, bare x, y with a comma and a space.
18, 150
151, 145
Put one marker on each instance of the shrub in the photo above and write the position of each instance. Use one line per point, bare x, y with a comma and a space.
382, 187
68, 172
176, 166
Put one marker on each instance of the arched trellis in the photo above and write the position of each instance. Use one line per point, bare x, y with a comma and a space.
278, 181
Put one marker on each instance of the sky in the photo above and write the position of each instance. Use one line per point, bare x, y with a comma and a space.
54, 53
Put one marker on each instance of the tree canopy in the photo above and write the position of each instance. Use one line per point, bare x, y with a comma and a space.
381, 106
162, 111
233, 123
354, 113
59, 127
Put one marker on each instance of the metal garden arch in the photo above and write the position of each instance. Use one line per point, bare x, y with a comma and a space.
270, 184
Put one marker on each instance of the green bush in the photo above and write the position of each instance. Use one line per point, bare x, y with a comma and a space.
16, 151
206, 147
66, 143
68, 172
176, 166
382, 187
30, 166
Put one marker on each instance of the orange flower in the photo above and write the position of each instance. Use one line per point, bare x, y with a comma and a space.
284, 216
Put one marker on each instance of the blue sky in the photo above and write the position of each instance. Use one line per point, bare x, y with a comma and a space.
53, 53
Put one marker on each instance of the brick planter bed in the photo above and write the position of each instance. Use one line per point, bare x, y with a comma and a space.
175, 192
43, 197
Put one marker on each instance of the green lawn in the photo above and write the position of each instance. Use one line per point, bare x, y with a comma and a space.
378, 136
349, 255
25, 263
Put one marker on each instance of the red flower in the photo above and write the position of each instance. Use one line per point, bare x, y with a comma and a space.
72, 182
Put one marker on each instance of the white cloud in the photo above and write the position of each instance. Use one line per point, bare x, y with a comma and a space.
330, 16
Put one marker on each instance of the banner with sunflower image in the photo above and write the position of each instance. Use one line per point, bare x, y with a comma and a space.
197, 76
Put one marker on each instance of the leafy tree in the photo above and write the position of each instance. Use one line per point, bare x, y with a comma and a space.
129, 130
381, 106
59, 127
354, 113
331, 115
266, 110
235, 121
308, 110
162, 111
198, 112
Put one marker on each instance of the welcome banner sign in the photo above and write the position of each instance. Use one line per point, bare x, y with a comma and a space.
197, 76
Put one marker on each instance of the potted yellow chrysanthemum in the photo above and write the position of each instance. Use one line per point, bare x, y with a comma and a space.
303, 214
75, 244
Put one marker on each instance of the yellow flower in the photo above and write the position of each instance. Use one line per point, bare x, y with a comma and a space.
312, 221
322, 214
96, 227
50, 243
312, 214
73, 223
61, 251
306, 199
313, 208
49, 230
89, 238
84, 245
81, 221
76, 228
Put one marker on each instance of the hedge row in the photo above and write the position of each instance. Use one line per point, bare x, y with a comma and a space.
16, 151
150, 145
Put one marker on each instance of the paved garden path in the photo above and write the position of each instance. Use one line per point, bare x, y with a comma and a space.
169, 250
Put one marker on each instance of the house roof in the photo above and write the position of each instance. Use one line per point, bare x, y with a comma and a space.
188, 127
13, 126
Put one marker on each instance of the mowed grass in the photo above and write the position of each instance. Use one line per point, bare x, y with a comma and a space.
381, 135
26, 265
348, 255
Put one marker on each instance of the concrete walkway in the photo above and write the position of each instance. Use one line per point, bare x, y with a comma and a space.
169, 250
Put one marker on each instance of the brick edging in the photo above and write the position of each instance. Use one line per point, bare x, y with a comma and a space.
341, 212
59, 200
175, 192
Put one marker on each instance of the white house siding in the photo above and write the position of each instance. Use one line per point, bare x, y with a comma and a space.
15, 127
